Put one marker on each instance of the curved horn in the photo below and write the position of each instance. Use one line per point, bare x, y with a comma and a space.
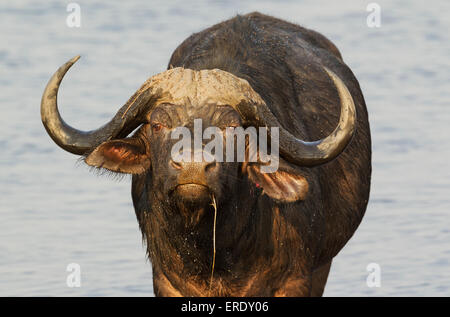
313, 153
80, 142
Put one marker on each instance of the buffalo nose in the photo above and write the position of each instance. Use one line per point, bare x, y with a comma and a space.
198, 163
194, 172
194, 167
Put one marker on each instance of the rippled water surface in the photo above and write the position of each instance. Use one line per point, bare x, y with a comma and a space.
54, 212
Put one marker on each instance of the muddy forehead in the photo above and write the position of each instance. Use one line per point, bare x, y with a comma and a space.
207, 86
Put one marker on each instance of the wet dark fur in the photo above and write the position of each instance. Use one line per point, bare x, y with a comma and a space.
265, 248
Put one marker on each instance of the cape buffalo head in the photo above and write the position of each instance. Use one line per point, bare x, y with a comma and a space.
176, 98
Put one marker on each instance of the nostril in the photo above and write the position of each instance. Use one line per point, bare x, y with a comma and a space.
210, 166
175, 165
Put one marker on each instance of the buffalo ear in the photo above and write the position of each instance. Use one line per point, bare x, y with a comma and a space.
124, 156
284, 186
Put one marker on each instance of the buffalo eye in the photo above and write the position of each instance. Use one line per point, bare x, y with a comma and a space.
156, 127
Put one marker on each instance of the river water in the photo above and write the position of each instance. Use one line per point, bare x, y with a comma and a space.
54, 211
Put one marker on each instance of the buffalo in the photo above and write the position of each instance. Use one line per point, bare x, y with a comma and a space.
226, 228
